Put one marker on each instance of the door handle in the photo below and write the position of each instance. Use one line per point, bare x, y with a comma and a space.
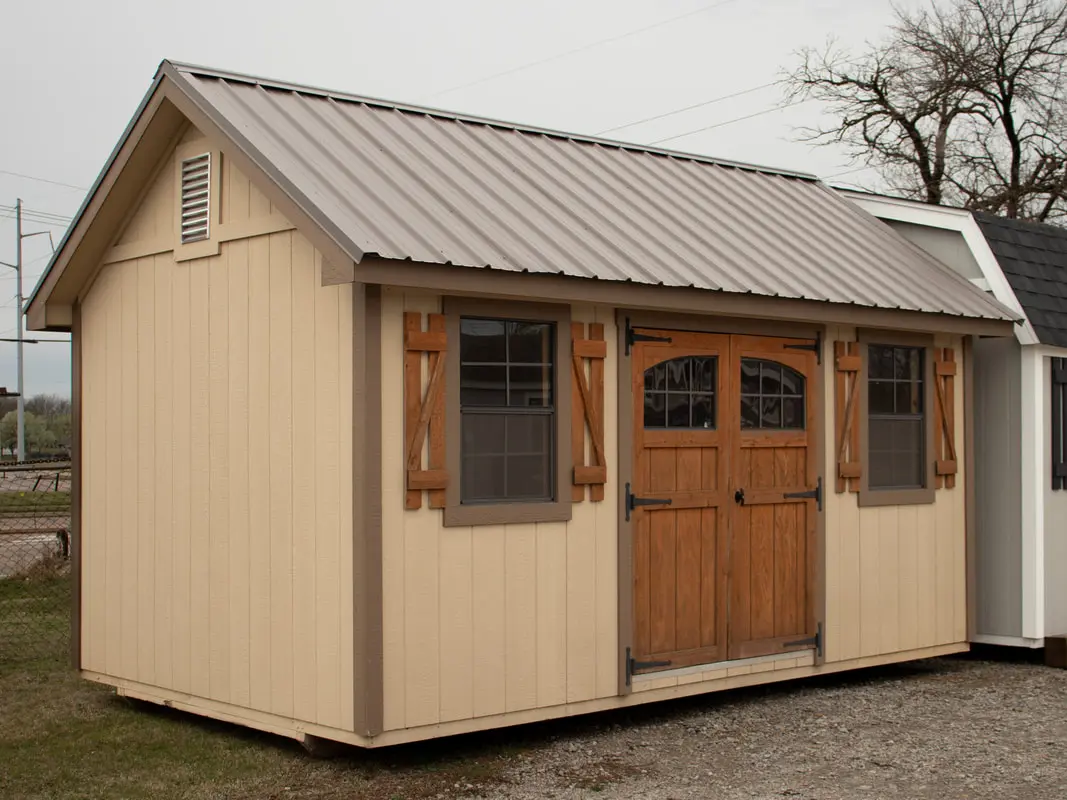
739, 497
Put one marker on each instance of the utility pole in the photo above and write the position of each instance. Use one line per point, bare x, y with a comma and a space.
21, 440
19, 338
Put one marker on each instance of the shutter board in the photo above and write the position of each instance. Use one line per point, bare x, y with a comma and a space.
424, 410
1059, 456
196, 198
847, 365
587, 411
945, 460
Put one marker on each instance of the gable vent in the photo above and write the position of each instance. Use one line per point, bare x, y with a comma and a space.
196, 194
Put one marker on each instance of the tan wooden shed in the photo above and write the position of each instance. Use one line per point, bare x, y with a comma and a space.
393, 424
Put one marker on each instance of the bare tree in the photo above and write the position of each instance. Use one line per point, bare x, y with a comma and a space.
963, 103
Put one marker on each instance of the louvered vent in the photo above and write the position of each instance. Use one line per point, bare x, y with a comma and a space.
196, 194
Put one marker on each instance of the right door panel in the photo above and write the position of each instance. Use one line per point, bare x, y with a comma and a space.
772, 535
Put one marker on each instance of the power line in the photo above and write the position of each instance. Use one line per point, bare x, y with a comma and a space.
848, 172
36, 213
43, 180
779, 107
689, 108
577, 50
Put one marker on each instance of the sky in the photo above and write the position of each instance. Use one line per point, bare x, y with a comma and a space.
76, 71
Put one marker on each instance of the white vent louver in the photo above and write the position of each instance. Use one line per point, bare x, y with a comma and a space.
196, 195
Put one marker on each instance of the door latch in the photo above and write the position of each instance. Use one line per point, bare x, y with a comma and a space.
633, 502
739, 497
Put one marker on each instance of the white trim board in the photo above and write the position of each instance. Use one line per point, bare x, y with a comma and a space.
1007, 641
961, 221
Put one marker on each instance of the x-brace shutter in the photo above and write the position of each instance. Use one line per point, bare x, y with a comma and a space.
945, 418
424, 413
847, 363
587, 410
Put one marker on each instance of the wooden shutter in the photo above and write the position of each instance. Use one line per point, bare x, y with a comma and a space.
587, 410
847, 363
424, 412
944, 418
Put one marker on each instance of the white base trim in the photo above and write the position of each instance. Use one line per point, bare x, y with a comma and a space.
717, 665
1007, 641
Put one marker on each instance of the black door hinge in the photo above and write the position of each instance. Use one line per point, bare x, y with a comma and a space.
632, 337
633, 502
812, 641
815, 494
632, 665
815, 347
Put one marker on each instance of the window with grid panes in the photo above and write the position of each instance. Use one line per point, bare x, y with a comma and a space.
896, 427
507, 411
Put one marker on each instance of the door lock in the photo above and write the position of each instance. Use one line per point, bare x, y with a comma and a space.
739, 497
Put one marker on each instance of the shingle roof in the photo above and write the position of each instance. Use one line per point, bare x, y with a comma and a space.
1033, 257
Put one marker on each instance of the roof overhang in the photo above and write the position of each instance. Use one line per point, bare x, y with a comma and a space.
960, 221
487, 282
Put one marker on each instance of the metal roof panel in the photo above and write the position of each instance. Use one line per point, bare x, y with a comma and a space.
420, 184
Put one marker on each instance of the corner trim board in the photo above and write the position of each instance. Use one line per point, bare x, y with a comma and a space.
76, 489
367, 637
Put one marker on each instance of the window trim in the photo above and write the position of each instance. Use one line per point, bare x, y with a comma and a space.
869, 497
457, 514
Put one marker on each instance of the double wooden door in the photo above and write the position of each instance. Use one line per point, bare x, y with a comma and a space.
723, 497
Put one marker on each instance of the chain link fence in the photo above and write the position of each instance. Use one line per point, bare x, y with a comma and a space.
35, 565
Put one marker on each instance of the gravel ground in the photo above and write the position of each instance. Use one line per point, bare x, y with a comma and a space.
944, 728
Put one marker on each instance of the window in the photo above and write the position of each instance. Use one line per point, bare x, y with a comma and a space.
507, 410
507, 405
772, 396
680, 393
896, 421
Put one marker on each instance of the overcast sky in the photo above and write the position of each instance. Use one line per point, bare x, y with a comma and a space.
72, 72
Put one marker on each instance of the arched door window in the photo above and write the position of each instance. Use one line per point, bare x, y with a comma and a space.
772, 396
680, 393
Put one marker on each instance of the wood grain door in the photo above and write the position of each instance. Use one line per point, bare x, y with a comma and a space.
681, 452
724, 429
772, 535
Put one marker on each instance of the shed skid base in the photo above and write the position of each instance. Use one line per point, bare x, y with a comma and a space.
301, 731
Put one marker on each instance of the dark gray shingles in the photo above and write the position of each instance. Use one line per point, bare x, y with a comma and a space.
1033, 257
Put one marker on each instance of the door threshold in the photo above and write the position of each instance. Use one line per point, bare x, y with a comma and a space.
716, 665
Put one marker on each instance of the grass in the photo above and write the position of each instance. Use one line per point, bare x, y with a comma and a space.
12, 502
63, 737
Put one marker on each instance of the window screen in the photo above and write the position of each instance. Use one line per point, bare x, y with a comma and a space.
507, 411
896, 428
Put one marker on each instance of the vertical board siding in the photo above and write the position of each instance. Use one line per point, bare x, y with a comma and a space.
895, 576
487, 619
217, 515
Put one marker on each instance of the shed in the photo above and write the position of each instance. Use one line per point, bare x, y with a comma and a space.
1021, 462
394, 423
